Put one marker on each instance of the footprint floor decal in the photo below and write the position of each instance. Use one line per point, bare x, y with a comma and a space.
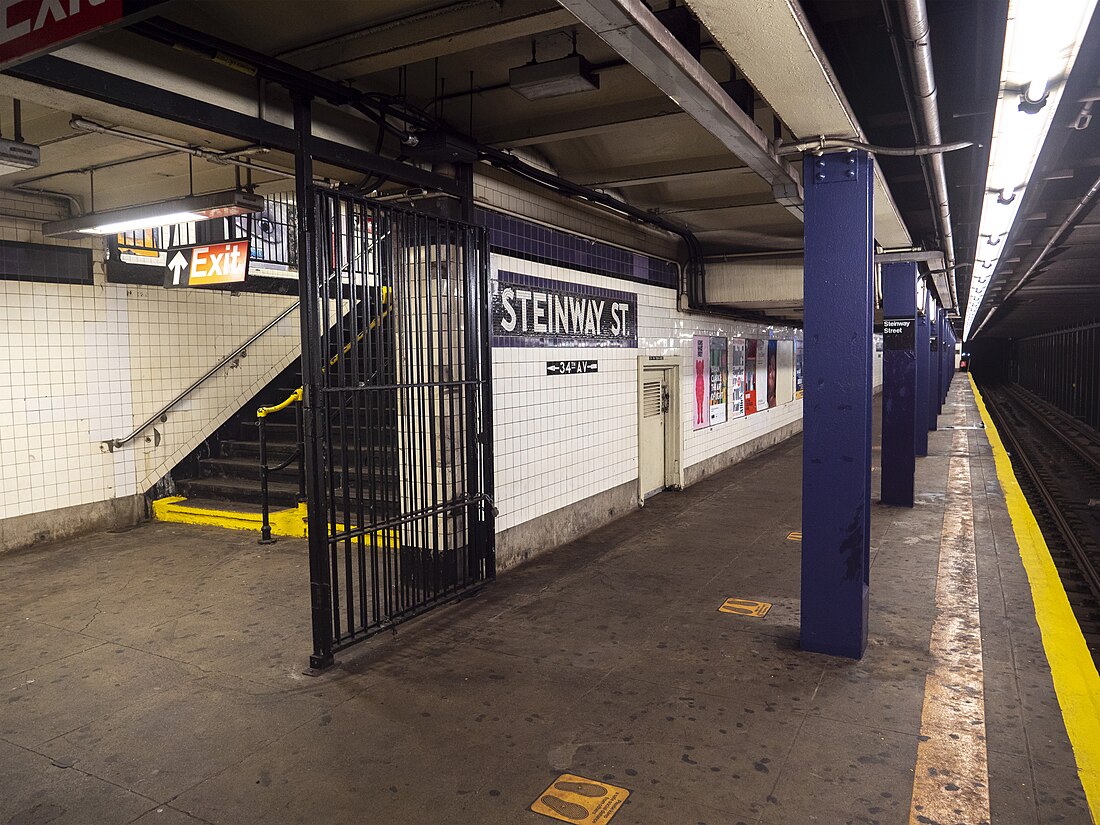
580, 800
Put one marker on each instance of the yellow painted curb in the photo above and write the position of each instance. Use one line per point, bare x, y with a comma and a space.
291, 523
1076, 682
175, 509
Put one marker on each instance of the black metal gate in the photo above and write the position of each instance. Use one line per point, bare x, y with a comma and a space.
398, 416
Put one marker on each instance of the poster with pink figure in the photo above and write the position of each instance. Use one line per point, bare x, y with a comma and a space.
700, 350
710, 354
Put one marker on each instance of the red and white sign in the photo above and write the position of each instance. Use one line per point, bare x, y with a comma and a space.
29, 28
210, 265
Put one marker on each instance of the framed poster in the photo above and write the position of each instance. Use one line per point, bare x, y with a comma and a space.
737, 377
750, 376
710, 358
798, 387
719, 379
773, 370
700, 351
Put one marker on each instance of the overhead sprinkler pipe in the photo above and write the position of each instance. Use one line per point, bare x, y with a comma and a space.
823, 144
918, 46
231, 158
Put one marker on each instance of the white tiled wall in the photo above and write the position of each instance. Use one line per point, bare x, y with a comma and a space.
561, 439
83, 364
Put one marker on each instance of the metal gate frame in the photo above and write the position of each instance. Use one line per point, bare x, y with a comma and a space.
397, 410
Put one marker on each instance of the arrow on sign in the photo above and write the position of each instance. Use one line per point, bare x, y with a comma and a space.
177, 265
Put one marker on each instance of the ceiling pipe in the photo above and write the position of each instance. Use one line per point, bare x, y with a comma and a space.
918, 45
231, 158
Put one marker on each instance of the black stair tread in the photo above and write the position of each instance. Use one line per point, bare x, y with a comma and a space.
219, 504
249, 467
244, 464
232, 485
235, 488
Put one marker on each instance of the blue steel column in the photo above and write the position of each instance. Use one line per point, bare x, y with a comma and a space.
899, 382
943, 358
948, 357
951, 363
923, 372
838, 365
933, 366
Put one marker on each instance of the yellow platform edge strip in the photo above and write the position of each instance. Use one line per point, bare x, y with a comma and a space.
1076, 681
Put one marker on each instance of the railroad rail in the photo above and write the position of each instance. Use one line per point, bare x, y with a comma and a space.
1057, 459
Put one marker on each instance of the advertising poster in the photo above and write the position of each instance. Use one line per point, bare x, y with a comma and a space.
719, 379
773, 370
750, 376
798, 387
737, 377
700, 353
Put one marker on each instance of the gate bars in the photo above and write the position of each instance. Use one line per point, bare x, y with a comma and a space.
398, 415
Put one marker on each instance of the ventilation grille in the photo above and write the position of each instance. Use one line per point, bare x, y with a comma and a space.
651, 398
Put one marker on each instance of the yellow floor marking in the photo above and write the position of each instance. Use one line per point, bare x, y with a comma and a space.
745, 607
579, 800
795, 535
951, 778
291, 523
1076, 682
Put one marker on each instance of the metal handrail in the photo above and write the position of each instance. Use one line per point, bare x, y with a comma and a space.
296, 395
162, 413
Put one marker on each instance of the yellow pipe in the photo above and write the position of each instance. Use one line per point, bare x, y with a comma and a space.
263, 412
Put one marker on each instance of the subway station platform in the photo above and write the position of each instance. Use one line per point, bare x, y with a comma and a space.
156, 676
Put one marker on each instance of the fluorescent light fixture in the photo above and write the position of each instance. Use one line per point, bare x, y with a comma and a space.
18, 157
181, 210
554, 78
1042, 40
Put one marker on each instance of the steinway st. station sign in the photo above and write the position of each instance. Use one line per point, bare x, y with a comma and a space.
537, 312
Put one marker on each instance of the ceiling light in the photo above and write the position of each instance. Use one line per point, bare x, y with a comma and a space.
16, 156
1034, 96
181, 210
1042, 40
554, 78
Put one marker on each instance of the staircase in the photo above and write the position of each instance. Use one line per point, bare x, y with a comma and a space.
221, 480
226, 469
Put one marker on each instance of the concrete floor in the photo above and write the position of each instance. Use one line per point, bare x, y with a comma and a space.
156, 676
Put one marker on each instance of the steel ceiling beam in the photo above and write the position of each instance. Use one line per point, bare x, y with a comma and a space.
632, 30
433, 33
670, 171
126, 93
582, 123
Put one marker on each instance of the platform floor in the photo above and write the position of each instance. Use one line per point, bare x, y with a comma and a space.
156, 676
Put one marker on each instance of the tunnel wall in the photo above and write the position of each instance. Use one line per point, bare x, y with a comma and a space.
1063, 368
82, 364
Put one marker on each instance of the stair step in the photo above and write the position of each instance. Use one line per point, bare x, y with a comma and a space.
281, 494
280, 450
249, 468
